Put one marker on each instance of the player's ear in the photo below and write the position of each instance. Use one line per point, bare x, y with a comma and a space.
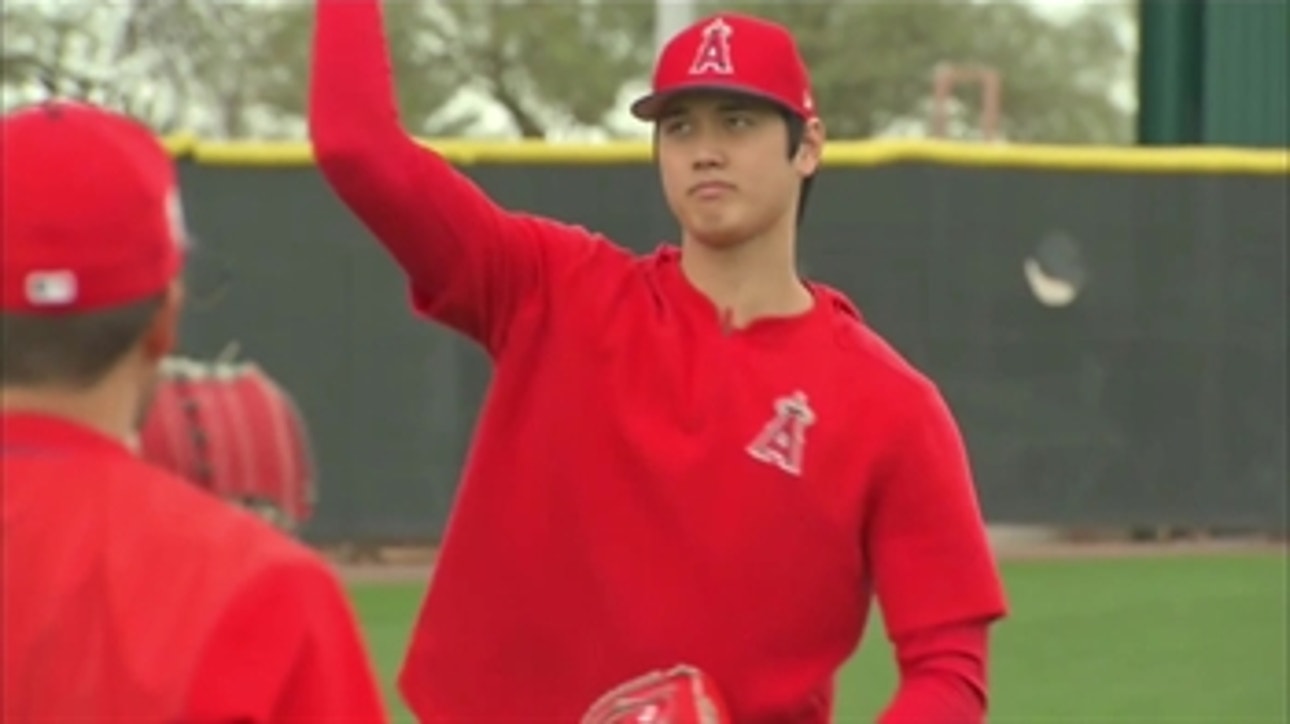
162, 335
811, 150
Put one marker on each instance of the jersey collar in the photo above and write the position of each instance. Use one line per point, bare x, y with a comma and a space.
36, 431
668, 259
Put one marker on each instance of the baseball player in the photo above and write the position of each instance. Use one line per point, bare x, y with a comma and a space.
129, 594
692, 465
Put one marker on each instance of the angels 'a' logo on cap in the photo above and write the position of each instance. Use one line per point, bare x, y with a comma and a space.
713, 55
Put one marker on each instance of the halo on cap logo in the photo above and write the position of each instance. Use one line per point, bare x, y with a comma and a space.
713, 55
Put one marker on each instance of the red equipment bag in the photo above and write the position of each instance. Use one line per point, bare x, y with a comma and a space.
228, 427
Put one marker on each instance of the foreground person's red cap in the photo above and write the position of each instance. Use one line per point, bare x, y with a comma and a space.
735, 53
91, 216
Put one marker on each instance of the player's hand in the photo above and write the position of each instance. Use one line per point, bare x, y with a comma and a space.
680, 695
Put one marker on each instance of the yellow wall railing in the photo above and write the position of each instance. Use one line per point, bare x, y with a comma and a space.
1131, 159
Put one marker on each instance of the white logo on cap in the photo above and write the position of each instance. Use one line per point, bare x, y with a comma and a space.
51, 288
713, 55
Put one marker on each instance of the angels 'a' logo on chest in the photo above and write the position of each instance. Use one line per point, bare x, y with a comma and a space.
782, 440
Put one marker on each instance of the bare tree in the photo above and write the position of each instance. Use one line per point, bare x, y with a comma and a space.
546, 67
874, 64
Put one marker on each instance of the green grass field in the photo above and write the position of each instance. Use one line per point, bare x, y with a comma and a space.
1171, 640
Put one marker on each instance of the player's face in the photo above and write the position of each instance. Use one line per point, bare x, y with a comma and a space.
726, 171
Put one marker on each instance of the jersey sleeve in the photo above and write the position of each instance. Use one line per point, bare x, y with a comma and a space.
286, 649
925, 540
943, 675
471, 264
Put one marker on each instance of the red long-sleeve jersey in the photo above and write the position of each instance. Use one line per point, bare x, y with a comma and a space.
647, 487
132, 596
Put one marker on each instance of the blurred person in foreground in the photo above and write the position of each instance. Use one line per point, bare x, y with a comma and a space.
694, 469
128, 593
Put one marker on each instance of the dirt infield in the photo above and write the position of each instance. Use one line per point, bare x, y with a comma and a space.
1125, 549
387, 564
414, 564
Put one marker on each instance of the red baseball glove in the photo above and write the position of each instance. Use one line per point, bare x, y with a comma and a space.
680, 695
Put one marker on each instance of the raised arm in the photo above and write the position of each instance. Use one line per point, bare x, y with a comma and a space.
470, 263
934, 574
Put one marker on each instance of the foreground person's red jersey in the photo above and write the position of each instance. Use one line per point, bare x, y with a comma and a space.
129, 595
663, 475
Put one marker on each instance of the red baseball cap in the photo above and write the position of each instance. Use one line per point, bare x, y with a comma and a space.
732, 52
91, 215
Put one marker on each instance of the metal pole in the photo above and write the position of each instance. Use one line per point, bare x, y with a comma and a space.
948, 77
670, 17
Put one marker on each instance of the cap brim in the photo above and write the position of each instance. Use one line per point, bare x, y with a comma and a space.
650, 107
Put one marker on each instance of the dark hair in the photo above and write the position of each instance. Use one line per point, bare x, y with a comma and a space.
72, 350
796, 132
